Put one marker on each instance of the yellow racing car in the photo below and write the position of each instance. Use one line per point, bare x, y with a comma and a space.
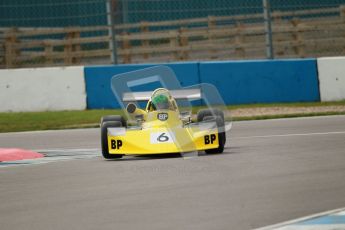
161, 127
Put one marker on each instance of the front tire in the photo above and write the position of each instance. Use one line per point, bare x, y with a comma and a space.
202, 114
104, 138
218, 115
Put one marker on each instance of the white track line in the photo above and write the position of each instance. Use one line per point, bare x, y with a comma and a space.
290, 222
314, 227
291, 135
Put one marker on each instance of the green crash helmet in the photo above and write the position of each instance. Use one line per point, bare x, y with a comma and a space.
160, 101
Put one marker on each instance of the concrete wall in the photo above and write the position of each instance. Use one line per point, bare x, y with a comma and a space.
42, 89
332, 78
239, 82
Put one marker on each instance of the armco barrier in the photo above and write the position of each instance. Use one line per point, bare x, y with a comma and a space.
332, 78
265, 81
97, 78
42, 89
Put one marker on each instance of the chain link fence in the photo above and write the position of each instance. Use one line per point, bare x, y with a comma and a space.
63, 32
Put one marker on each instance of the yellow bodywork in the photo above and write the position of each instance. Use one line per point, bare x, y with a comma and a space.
157, 136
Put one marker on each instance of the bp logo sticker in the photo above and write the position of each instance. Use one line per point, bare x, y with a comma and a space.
162, 116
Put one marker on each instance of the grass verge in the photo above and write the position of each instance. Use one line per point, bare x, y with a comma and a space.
28, 121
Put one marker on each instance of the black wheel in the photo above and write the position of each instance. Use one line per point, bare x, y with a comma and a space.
104, 138
221, 137
209, 112
218, 115
114, 118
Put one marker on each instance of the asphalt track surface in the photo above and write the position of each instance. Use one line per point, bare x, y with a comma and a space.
271, 171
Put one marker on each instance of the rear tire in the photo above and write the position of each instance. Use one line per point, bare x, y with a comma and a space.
218, 115
209, 112
104, 138
114, 118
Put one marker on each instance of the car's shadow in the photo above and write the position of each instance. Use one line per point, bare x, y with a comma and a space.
148, 157
227, 150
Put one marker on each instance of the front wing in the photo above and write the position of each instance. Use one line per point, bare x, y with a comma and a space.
162, 140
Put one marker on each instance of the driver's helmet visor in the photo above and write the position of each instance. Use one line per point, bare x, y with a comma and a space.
161, 102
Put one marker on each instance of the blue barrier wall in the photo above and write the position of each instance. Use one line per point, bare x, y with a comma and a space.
264, 81
239, 82
97, 79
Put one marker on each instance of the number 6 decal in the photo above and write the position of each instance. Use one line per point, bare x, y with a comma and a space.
163, 138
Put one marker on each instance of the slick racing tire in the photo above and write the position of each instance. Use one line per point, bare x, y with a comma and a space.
207, 115
221, 137
209, 112
114, 118
104, 138
202, 114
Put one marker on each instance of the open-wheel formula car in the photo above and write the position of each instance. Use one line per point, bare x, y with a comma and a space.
161, 127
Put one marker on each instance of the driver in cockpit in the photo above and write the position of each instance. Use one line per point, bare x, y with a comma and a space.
162, 100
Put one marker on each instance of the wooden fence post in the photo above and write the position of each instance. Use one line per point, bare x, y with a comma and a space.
297, 37
276, 17
11, 52
211, 24
277, 21
145, 43
173, 41
342, 12
183, 43
76, 47
70, 48
48, 51
239, 40
126, 46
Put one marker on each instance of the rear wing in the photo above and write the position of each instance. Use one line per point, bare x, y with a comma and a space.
191, 94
